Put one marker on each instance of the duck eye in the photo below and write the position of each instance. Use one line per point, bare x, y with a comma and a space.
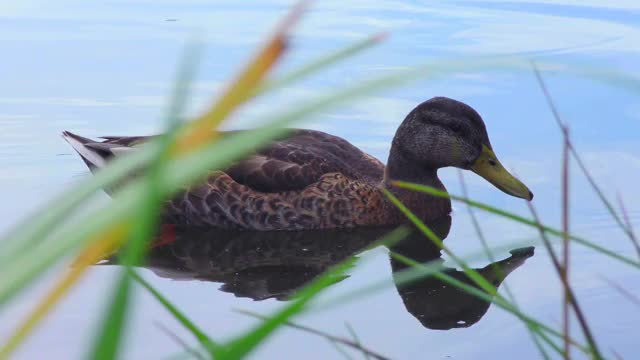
492, 162
456, 127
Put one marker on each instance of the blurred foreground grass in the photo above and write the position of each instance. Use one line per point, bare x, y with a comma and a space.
189, 148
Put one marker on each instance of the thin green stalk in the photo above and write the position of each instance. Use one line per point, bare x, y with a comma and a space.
204, 340
108, 339
569, 291
331, 338
430, 234
125, 207
36, 227
565, 238
340, 350
471, 273
408, 277
485, 207
39, 226
556, 115
54, 213
567, 147
32, 231
182, 170
187, 349
413, 274
626, 293
243, 345
618, 356
488, 297
356, 339
496, 268
537, 335
320, 63
183, 355
625, 215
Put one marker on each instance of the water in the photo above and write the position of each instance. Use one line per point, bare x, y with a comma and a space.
107, 69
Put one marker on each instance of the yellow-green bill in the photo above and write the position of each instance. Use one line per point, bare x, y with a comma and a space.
488, 166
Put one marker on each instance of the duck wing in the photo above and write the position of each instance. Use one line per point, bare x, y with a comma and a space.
292, 163
301, 160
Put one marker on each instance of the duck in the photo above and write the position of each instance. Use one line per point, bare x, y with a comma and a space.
312, 180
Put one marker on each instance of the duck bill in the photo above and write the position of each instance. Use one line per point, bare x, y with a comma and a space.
488, 166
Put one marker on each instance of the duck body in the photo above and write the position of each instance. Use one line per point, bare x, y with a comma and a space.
314, 180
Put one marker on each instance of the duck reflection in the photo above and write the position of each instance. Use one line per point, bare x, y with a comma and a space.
264, 265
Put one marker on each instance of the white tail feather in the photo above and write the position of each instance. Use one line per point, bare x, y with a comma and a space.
88, 154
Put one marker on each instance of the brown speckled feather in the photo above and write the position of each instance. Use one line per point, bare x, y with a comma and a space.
302, 159
310, 180
334, 201
289, 164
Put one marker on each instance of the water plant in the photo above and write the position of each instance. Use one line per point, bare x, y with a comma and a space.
189, 148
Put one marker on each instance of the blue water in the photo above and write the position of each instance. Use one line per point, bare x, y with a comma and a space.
107, 69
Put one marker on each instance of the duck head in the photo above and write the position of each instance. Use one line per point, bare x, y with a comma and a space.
443, 132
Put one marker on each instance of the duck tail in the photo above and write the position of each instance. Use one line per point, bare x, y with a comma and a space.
93, 157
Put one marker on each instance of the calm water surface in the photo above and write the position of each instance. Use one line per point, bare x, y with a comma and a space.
106, 69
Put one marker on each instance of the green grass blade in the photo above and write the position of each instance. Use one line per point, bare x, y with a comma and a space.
631, 297
517, 218
331, 338
576, 156
23, 266
471, 273
188, 168
356, 339
39, 224
57, 210
109, 337
239, 348
193, 352
570, 297
107, 341
320, 63
497, 270
200, 335
37, 227
376, 286
412, 274
423, 271
340, 350
62, 205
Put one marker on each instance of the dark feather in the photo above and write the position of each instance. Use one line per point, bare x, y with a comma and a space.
289, 164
